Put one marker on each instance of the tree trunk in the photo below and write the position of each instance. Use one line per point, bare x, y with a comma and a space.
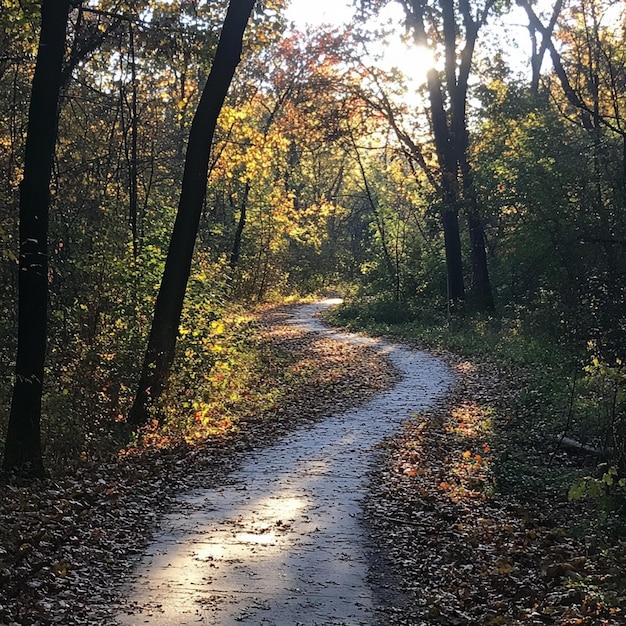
450, 195
481, 292
482, 295
446, 156
133, 174
380, 221
169, 304
481, 284
22, 451
241, 224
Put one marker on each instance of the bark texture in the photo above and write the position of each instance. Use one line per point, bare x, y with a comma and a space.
449, 124
22, 453
169, 304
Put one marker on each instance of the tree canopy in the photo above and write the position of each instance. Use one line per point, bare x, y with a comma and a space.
479, 188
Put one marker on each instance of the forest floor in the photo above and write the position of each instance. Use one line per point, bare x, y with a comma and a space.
282, 540
465, 553
456, 550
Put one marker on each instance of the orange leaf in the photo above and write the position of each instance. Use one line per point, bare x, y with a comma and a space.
504, 566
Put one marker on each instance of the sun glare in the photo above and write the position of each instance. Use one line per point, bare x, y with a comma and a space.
411, 61
392, 53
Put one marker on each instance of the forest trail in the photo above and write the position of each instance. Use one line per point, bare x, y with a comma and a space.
282, 543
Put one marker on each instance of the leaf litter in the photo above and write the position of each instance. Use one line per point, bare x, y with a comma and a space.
459, 552
449, 549
67, 543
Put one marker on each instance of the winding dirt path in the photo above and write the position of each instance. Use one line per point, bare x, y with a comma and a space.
282, 543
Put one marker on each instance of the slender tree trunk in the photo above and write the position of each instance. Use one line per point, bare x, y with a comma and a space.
481, 292
379, 219
570, 93
454, 264
164, 332
452, 142
539, 51
481, 284
446, 156
133, 169
241, 224
22, 451
624, 170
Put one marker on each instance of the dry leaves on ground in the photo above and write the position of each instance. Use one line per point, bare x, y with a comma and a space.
66, 543
460, 553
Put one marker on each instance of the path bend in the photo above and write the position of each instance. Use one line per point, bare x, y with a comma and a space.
282, 543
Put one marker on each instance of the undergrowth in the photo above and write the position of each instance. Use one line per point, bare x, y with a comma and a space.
566, 420
225, 372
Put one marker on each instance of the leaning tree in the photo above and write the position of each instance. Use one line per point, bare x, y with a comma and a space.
169, 304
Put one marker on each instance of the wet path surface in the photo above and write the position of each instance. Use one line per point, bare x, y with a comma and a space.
282, 543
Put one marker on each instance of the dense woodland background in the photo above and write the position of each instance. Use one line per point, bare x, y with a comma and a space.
488, 199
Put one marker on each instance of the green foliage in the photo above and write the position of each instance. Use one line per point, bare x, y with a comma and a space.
474, 336
523, 476
553, 218
609, 491
554, 394
227, 378
375, 313
602, 400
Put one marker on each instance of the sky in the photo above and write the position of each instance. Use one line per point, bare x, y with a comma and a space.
396, 54
337, 12
317, 12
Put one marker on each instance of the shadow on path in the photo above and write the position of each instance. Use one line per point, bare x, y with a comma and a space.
282, 543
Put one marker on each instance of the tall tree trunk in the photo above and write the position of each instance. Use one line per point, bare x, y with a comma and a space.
482, 294
481, 284
450, 193
22, 451
446, 156
241, 224
133, 176
452, 142
169, 304
378, 218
